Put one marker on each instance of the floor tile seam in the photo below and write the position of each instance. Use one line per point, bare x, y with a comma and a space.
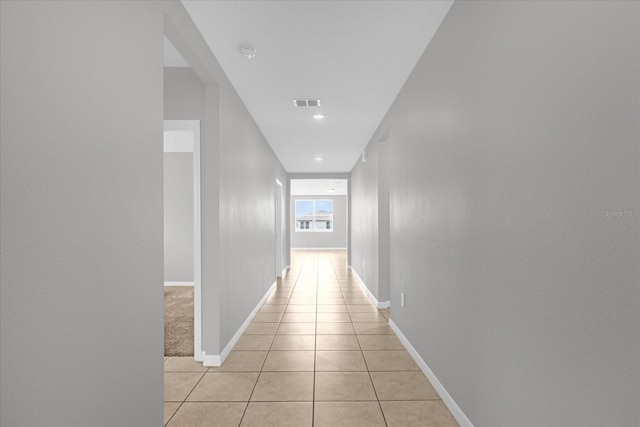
373, 384
280, 401
392, 372
254, 349
334, 321
269, 350
349, 401
411, 400
362, 353
216, 401
185, 399
342, 292
315, 356
260, 372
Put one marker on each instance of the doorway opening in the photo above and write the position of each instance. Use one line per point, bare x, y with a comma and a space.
182, 239
278, 227
319, 218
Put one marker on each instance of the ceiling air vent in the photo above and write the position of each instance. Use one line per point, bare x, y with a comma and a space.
306, 102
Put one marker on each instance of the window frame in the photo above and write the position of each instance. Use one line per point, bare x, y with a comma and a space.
312, 221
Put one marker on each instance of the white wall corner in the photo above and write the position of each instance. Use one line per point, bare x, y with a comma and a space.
285, 270
384, 304
455, 410
219, 359
210, 359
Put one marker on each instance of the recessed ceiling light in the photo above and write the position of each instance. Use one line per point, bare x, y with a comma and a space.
318, 158
247, 51
331, 190
319, 116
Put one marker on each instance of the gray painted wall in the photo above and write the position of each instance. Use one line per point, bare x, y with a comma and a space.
247, 212
364, 218
335, 239
184, 95
178, 217
187, 97
82, 202
81, 214
513, 144
235, 189
370, 217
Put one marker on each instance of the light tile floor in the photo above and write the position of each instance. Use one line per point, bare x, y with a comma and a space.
317, 354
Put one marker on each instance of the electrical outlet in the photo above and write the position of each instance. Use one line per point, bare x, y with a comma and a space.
402, 299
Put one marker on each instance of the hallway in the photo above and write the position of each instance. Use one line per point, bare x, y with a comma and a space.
318, 353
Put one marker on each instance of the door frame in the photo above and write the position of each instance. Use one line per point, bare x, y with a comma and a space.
278, 226
194, 126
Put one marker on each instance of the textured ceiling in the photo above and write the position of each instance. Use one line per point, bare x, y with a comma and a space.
352, 55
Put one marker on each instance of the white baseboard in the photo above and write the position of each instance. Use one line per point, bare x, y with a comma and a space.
178, 283
217, 360
384, 304
284, 270
455, 410
372, 298
210, 359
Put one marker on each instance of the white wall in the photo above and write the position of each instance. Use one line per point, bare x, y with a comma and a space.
81, 214
178, 217
335, 239
513, 137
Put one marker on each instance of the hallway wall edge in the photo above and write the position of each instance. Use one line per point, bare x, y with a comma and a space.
218, 359
455, 410
372, 298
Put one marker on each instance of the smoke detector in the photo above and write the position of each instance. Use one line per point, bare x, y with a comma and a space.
247, 51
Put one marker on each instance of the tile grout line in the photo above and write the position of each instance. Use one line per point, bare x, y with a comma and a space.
369, 373
299, 286
372, 384
268, 351
186, 397
315, 349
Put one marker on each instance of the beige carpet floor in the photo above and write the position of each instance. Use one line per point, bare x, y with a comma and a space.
178, 320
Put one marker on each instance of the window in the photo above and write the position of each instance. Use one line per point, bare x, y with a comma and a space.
303, 225
314, 215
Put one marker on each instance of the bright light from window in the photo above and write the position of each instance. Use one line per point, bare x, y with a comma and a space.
314, 215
